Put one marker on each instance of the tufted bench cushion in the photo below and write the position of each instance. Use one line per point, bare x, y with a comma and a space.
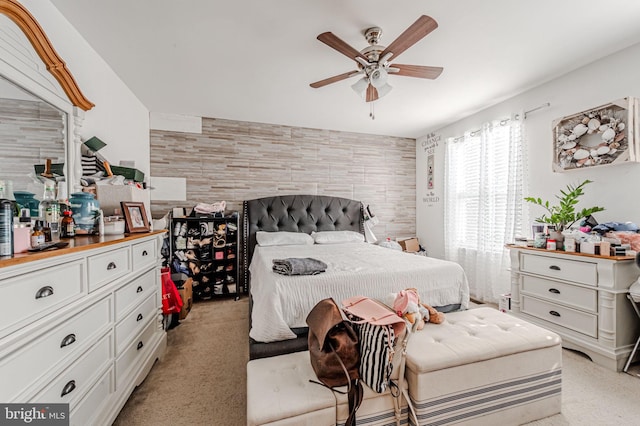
279, 393
482, 366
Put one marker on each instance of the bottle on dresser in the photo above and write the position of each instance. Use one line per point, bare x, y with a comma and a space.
37, 235
49, 211
6, 222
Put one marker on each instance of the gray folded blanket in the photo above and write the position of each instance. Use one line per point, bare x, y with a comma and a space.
299, 266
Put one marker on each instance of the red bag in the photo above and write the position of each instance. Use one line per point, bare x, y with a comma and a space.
171, 300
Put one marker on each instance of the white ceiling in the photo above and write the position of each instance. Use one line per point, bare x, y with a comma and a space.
253, 60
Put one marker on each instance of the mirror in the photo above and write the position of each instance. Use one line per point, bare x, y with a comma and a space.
32, 131
40, 97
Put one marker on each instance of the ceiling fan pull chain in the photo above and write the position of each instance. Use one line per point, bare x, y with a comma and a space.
371, 111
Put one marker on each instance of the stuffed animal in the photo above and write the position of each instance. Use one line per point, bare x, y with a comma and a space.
432, 314
407, 304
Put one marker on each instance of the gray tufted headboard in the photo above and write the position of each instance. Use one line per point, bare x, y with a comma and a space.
297, 213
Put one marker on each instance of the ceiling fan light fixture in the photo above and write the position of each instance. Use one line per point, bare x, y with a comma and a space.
378, 77
360, 86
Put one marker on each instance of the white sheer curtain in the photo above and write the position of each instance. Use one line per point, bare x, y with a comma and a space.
484, 180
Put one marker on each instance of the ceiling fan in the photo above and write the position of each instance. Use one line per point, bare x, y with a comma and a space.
375, 61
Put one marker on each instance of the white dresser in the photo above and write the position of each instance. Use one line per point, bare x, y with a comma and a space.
81, 325
579, 296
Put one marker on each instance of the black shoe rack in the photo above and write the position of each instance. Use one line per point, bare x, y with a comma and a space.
205, 248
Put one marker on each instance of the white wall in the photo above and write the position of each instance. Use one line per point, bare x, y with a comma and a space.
119, 118
614, 187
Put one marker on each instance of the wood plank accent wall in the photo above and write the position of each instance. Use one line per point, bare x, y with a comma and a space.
236, 161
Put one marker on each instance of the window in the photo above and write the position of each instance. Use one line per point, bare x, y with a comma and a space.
484, 179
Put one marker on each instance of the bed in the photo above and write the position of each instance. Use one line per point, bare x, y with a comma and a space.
279, 304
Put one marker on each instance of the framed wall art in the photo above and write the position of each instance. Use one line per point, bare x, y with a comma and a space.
605, 135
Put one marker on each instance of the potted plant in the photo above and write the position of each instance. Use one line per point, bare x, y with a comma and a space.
564, 214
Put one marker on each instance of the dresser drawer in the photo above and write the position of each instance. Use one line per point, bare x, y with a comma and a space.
106, 267
27, 364
135, 292
28, 297
134, 354
563, 269
144, 254
567, 294
581, 322
94, 402
76, 380
133, 323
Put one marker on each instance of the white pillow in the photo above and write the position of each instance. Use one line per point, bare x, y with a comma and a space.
283, 238
337, 237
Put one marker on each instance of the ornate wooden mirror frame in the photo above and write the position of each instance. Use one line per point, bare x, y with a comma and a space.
40, 42
33, 78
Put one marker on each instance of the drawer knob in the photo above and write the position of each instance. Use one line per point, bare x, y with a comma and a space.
144, 253
555, 313
111, 266
68, 340
140, 345
554, 267
139, 289
554, 291
139, 317
45, 291
68, 388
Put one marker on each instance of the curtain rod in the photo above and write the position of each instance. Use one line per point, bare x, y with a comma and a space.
545, 105
506, 120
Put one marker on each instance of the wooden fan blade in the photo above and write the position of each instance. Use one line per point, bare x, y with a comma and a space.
372, 93
334, 79
418, 71
341, 46
417, 31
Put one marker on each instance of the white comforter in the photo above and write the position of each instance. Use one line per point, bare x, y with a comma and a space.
282, 302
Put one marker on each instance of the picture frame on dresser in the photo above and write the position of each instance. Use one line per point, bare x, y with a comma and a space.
135, 217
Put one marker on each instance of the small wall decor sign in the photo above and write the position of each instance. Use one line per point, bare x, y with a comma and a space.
605, 135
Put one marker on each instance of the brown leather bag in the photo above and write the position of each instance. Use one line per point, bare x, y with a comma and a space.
334, 353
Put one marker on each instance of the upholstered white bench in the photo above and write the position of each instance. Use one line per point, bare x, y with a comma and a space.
484, 367
279, 393
375, 409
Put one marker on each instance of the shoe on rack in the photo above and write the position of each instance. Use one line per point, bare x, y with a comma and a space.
176, 229
205, 267
192, 243
193, 232
232, 227
194, 267
180, 255
183, 229
190, 254
181, 243
219, 268
229, 267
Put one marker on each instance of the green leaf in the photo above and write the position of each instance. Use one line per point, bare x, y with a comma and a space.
564, 214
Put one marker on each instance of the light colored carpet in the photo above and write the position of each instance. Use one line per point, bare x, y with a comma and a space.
202, 379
